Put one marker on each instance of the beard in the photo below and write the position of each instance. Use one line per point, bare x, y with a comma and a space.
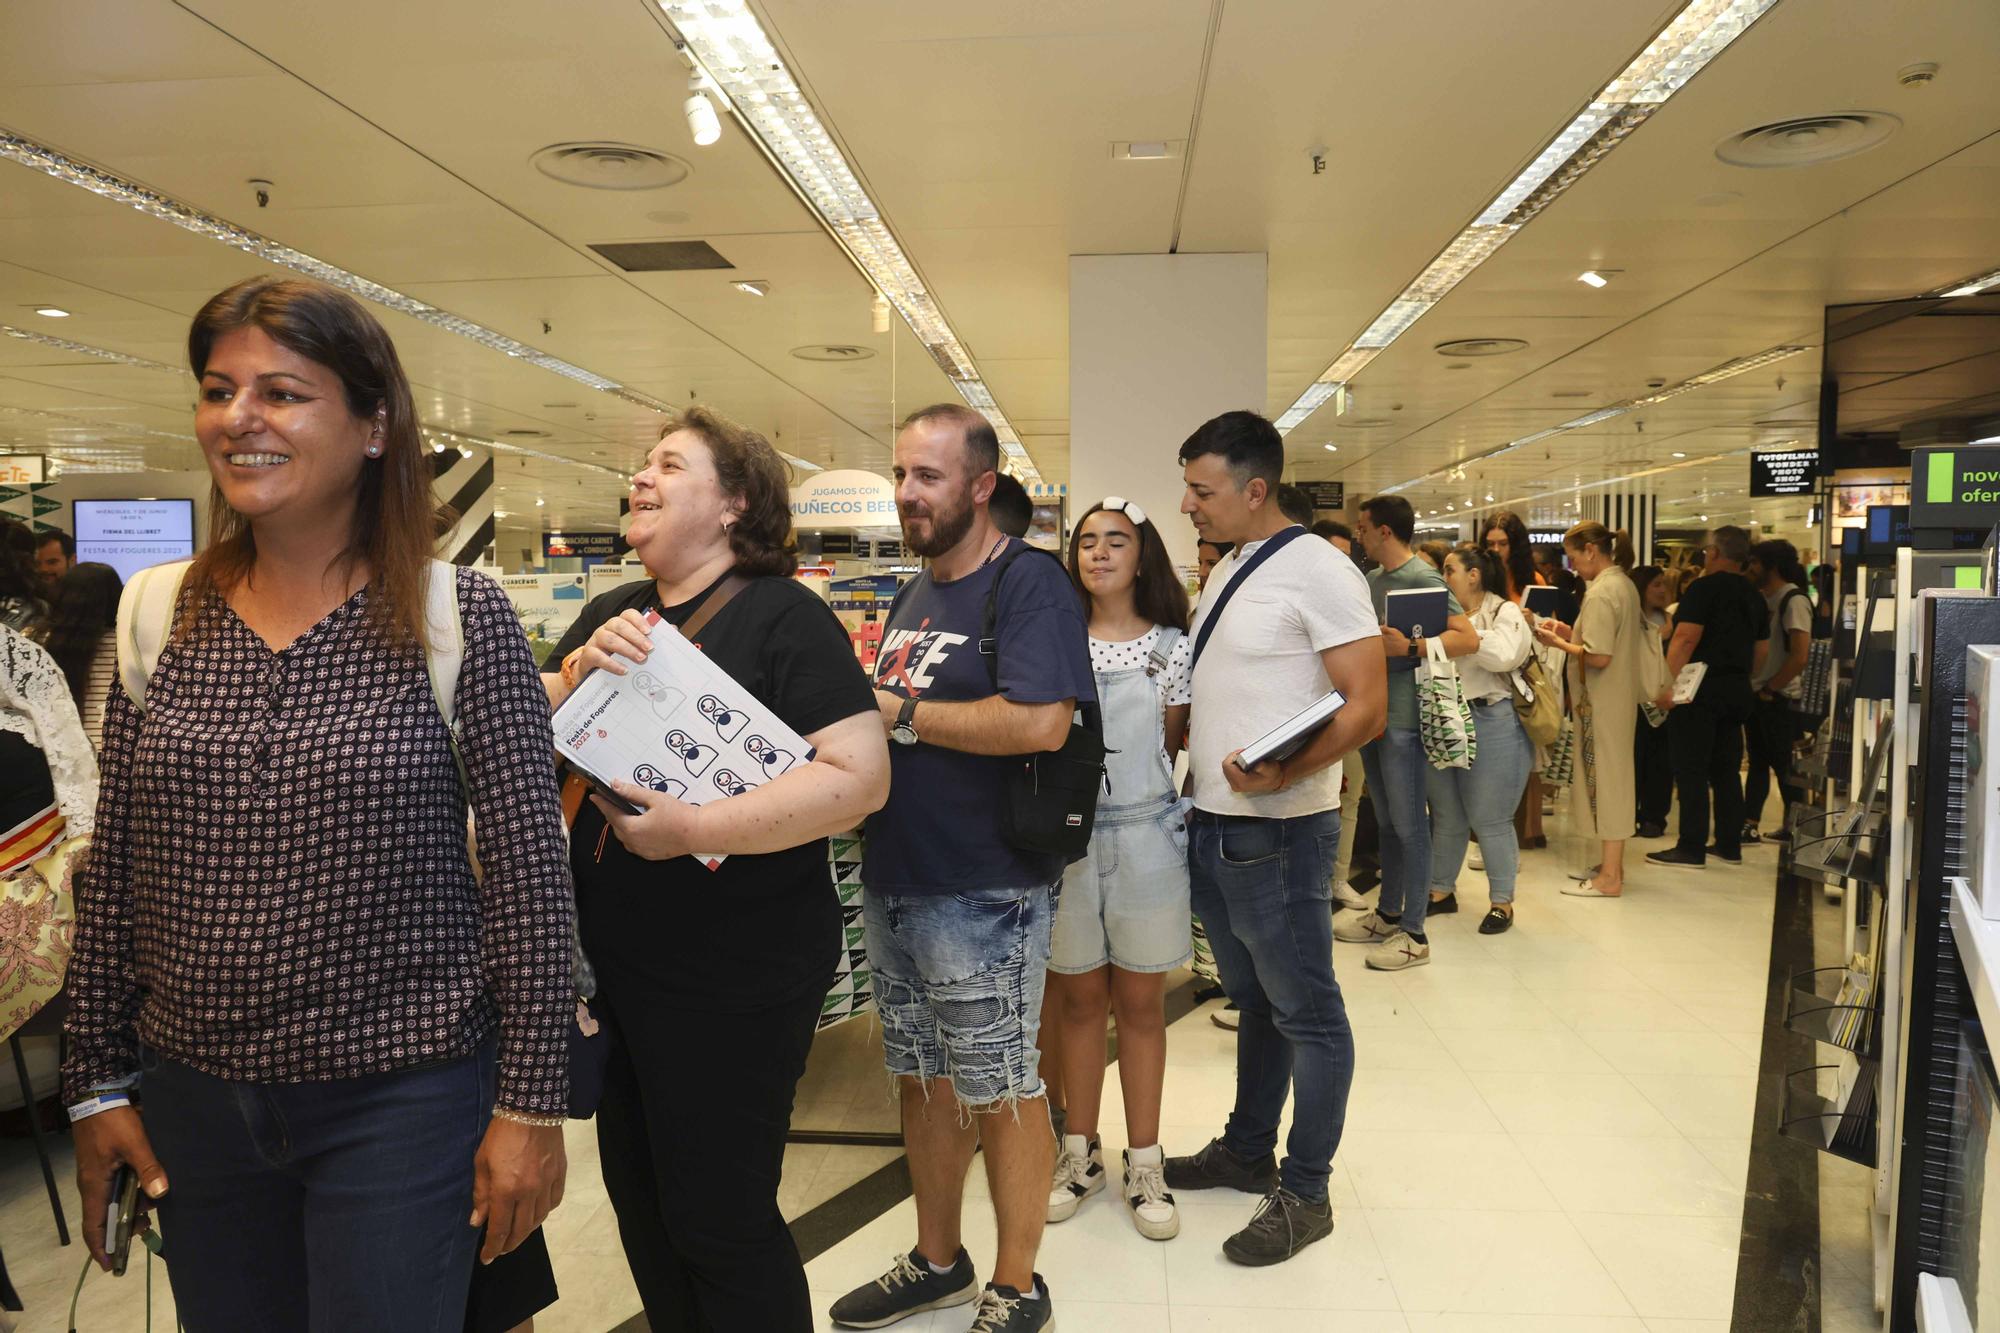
947, 529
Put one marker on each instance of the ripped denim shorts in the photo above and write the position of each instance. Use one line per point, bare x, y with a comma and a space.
958, 980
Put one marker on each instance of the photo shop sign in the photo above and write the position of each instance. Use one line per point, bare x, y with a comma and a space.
843, 499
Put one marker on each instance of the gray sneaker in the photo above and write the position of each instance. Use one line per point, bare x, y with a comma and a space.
909, 1287
1005, 1310
1283, 1225
1362, 928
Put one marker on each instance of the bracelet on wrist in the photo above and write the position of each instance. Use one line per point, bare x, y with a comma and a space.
526, 1118
97, 1105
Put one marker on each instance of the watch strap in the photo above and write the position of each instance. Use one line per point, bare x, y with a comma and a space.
906, 715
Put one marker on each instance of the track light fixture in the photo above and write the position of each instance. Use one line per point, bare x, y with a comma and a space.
703, 123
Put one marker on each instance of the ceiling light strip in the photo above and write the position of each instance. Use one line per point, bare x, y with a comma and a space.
736, 56
27, 153
85, 349
1701, 31
1971, 286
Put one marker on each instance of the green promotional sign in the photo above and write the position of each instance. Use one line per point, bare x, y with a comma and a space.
1955, 488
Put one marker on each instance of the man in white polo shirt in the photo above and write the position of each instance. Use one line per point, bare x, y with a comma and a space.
1284, 618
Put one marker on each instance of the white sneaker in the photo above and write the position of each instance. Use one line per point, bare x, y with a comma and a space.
1345, 898
1362, 928
1079, 1174
1473, 860
1398, 952
1153, 1210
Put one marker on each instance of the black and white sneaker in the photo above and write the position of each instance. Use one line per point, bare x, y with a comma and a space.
1079, 1174
1677, 858
1734, 858
1283, 1225
909, 1287
1005, 1310
1215, 1167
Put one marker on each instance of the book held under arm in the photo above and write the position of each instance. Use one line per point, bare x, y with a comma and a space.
676, 723
1290, 736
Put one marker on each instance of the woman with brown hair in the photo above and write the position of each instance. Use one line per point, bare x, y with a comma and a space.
1605, 650
710, 982
346, 1048
1507, 540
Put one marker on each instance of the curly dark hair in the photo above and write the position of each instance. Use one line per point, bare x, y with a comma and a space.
749, 469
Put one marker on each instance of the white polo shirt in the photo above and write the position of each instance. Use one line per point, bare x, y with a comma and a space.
1262, 665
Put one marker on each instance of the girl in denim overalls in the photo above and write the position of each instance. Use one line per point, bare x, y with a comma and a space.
1122, 923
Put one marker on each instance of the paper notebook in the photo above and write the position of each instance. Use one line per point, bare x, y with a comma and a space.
1542, 600
676, 723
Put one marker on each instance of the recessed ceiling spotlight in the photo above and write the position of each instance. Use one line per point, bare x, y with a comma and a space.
437, 446
465, 451
1702, 517
1449, 508
1591, 277
1489, 497
1331, 448
1679, 454
752, 286
703, 123
52, 311
539, 502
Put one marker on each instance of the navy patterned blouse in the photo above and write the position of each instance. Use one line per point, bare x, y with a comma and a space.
278, 889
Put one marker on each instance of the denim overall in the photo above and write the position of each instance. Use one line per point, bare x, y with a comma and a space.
1126, 901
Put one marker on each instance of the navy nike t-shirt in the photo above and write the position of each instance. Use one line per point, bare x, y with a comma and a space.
940, 831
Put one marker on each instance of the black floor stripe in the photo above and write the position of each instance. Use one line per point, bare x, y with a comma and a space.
820, 1229
1777, 1258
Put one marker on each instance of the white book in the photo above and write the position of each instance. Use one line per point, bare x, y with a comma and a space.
1285, 739
678, 724
1688, 683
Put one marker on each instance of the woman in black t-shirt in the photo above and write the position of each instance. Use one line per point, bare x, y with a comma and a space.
711, 981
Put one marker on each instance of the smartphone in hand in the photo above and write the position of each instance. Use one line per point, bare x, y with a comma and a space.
121, 1219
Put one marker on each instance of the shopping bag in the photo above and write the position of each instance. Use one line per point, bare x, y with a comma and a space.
37, 923
1444, 716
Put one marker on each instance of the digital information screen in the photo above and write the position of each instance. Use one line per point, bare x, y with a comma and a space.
1794, 472
130, 535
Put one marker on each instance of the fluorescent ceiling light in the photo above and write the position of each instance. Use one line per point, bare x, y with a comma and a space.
53, 312
1722, 372
752, 287
85, 349
1971, 286
736, 57
1702, 30
1590, 277
1308, 403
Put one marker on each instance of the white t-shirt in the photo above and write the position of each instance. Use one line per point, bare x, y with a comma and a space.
1262, 665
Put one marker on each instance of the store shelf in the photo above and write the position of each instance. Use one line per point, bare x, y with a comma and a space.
1815, 1121
1940, 1307
1812, 1009
1978, 943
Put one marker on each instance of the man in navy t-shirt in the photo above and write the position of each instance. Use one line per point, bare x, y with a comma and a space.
957, 920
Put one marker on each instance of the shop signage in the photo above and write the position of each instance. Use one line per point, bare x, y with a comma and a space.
845, 498
1793, 472
1325, 494
841, 544
592, 545
23, 469
1954, 488
1545, 537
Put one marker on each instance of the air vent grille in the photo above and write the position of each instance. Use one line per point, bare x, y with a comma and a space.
662, 256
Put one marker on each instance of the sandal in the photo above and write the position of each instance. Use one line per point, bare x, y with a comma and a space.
1497, 922
1589, 889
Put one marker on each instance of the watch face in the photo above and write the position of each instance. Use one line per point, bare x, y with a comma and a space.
903, 734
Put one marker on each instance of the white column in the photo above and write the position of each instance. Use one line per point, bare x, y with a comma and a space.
1158, 344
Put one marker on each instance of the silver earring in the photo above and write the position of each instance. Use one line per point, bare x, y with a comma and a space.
373, 451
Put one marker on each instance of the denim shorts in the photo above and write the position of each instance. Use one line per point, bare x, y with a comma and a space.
1126, 902
958, 979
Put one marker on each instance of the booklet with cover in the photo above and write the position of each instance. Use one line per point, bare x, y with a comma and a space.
1419, 612
1542, 600
676, 723
1291, 735
1688, 683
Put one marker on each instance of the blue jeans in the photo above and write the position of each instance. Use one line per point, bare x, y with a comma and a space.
1261, 888
1398, 784
1482, 799
322, 1207
958, 981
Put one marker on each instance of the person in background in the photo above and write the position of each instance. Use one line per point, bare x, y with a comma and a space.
82, 637
958, 918
24, 603
1482, 798
1652, 763
1336, 534
1123, 920
55, 556
1262, 839
1724, 622
1010, 506
1825, 602
1434, 553
1295, 504
1507, 538
1606, 667
1774, 728
354, 1058
1207, 556
694, 1182
1398, 772
1353, 773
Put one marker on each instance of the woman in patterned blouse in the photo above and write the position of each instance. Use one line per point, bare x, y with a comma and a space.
279, 926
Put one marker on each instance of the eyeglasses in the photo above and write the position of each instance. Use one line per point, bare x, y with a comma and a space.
1118, 504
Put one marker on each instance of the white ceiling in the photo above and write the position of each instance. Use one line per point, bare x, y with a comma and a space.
398, 139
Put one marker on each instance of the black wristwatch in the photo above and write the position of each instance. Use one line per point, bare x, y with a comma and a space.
905, 730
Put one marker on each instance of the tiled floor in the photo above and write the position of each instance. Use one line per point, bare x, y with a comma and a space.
1548, 1134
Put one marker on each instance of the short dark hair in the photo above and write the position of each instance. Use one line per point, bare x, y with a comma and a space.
977, 432
1246, 441
1780, 557
1327, 529
67, 542
1392, 512
1295, 504
1010, 506
1481, 561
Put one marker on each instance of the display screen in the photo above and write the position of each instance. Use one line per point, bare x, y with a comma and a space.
130, 535
1793, 472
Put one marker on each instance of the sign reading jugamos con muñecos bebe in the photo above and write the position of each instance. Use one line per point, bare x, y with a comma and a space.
846, 498
1955, 488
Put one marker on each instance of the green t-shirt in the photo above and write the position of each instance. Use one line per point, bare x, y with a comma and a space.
1416, 572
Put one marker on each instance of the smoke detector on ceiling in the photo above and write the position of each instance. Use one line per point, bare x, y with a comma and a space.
610, 166
1806, 141
1481, 347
